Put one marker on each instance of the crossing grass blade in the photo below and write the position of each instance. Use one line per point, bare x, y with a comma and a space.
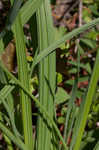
66, 37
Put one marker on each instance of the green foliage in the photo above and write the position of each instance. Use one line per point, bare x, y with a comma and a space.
78, 108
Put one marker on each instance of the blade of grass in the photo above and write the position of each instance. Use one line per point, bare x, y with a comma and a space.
67, 129
24, 78
70, 106
87, 103
46, 75
76, 126
72, 121
68, 36
9, 144
42, 127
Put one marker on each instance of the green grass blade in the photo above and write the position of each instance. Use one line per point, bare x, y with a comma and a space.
76, 126
24, 78
46, 74
87, 103
9, 144
28, 9
70, 106
68, 36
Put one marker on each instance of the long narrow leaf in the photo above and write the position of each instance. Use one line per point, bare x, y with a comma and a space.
68, 36
87, 103
70, 105
47, 72
24, 78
